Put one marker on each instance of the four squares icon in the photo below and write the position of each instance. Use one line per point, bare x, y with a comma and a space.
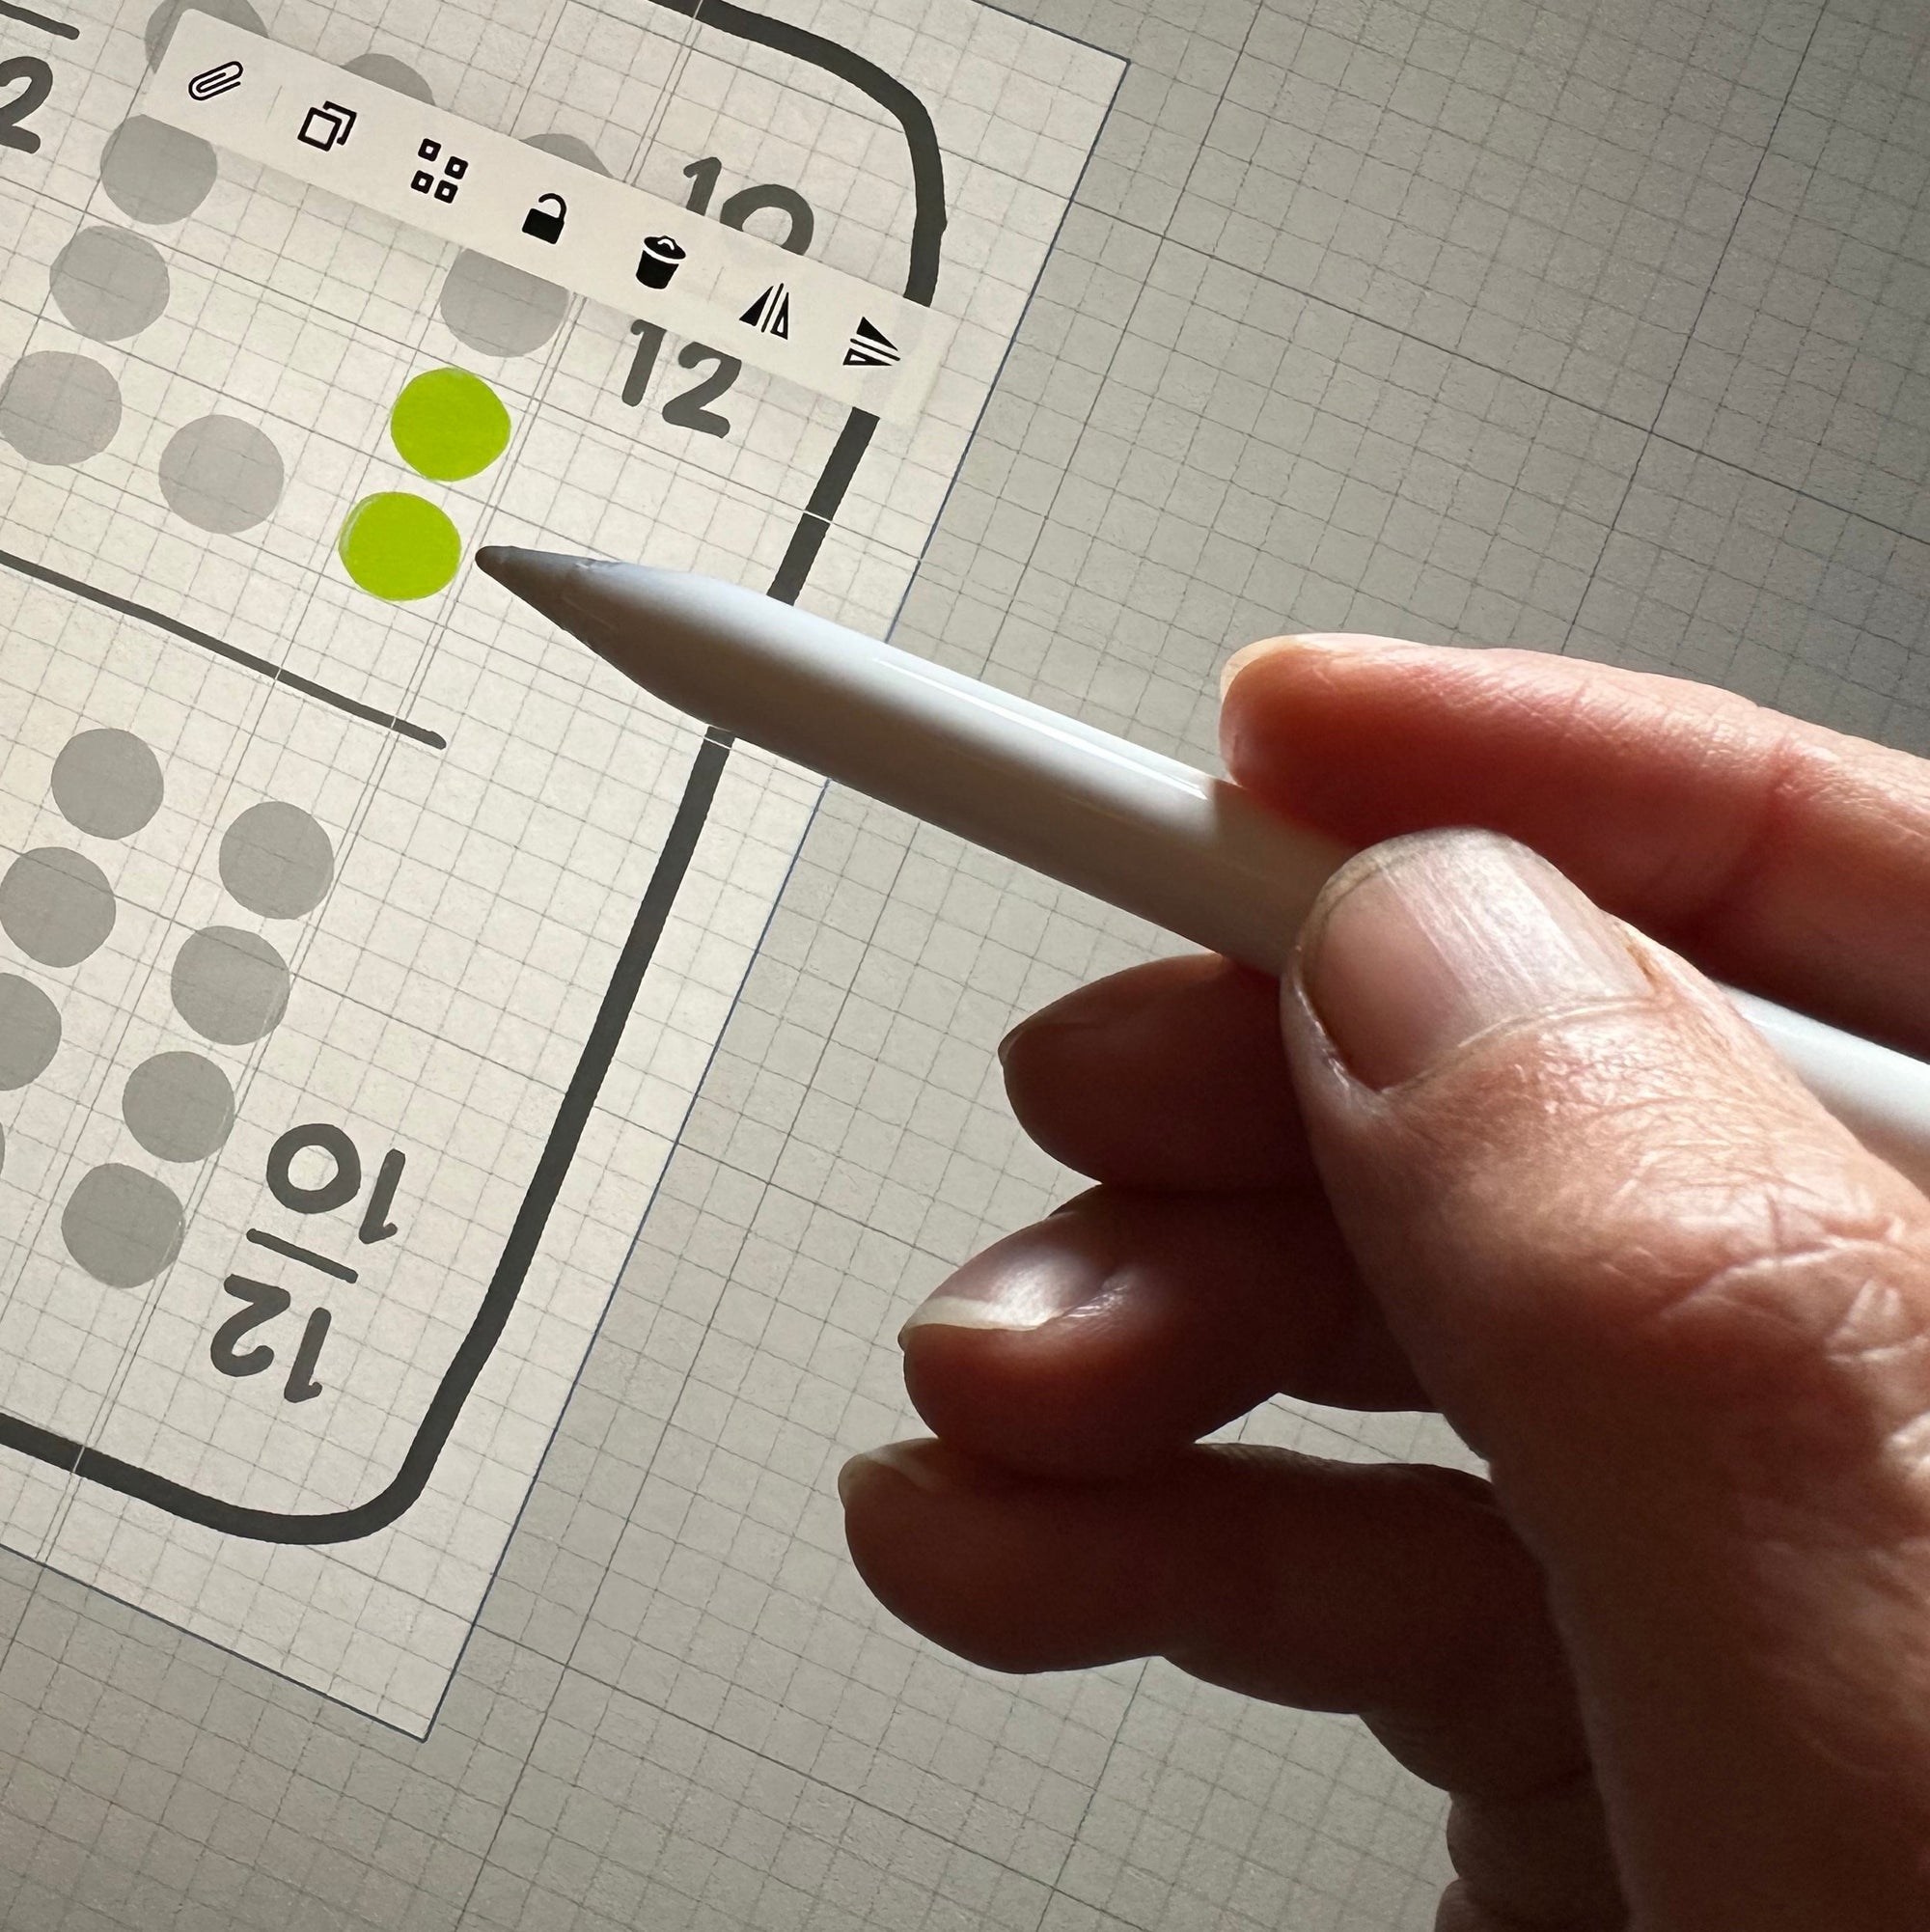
454, 167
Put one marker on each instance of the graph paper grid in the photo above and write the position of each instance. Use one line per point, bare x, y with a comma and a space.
1594, 326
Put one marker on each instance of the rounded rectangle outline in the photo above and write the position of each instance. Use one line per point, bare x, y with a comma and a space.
572, 1116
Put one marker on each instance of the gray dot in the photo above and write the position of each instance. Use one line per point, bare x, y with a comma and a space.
121, 1225
567, 148
229, 986
55, 906
386, 70
498, 310
277, 861
178, 1106
220, 474
107, 783
161, 22
153, 172
29, 1032
59, 409
110, 282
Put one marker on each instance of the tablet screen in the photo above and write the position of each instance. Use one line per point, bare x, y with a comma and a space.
363, 940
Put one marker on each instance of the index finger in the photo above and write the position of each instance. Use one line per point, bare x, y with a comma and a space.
1781, 856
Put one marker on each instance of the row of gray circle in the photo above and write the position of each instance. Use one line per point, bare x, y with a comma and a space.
178, 1106
58, 907
121, 1225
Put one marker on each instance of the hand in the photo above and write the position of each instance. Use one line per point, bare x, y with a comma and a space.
1488, 1150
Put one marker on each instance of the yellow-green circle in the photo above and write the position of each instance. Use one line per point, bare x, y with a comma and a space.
447, 425
399, 546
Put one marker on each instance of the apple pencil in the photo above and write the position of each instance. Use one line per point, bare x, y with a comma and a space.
1190, 852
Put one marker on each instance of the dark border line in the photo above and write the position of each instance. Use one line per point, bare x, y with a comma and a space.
234, 653
572, 1116
28, 17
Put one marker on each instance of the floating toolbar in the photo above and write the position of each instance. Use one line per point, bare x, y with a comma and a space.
464, 184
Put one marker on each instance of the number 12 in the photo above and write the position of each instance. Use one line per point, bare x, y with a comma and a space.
690, 411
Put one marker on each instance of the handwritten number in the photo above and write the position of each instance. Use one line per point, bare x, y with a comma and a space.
263, 1304
341, 1187
644, 364
302, 1385
375, 1223
39, 80
688, 411
703, 177
800, 223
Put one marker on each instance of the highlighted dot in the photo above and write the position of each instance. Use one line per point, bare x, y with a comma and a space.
399, 546
447, 425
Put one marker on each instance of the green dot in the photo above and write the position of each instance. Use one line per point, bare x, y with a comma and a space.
448, 424
399, 546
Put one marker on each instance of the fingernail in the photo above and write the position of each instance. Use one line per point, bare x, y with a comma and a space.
1021, 1282
1421, 944
1306, 640
894, 1459
1252, 654
1086, 1009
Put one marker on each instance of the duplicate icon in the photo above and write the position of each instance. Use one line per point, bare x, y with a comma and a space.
327, 126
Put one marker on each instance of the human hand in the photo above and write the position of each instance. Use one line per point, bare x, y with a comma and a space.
1533, 1172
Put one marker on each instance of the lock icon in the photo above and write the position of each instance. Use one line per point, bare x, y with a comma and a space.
543, 224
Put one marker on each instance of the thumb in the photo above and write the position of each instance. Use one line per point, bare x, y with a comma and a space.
1684, 1312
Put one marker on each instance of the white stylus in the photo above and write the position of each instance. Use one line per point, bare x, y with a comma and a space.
1190, 852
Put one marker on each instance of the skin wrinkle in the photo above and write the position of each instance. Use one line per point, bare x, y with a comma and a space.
1715, 748
1702, 1276
1788, 774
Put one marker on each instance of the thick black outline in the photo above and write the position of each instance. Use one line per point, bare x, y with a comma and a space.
363, 1519
28, 18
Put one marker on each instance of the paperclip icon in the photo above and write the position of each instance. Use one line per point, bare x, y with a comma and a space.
205, 85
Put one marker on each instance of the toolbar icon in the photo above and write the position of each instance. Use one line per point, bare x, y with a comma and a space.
212, 81
770, 314
541, 223
661, 258
454, 168
327, 126
872, 347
